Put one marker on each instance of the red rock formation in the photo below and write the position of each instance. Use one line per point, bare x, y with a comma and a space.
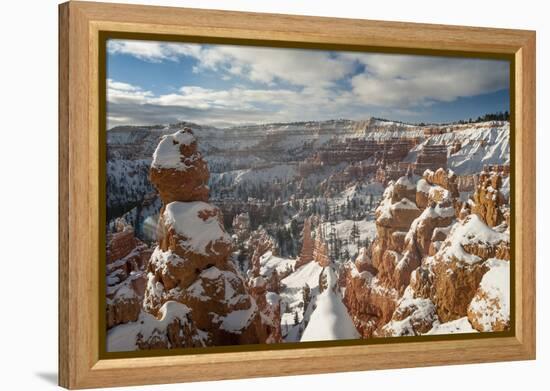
269, 305
431, 157
120, 244
127, 257
411, 317
452, 276
363, 262
241, 226
357, 149
190, 264
369, 303
306, 254
490, 308
259, 243
178, 170
488, 200
124, 300
320, 249
445, 179
394, 216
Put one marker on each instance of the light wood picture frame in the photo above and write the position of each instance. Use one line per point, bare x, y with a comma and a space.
82, 32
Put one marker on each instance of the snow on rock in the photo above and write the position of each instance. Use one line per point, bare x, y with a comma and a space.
172, 329
404, 204
490, 308
270, 262
191, 263
178, 170
330, 320
413, 316
480, 144
307, 274
406, 182
272, 298
458, 326
168, 153
452, 276
423, 186
238, 320
469, 237
198, 225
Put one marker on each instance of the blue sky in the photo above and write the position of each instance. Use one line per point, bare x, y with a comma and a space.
224, 85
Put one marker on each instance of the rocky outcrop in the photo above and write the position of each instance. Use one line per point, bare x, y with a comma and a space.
369, 303
436, 187
490, 308
444, 178
172, 328
269, 305
259, 243
306, 254
120, 244
487, 201
320, 249
425, 267
394, 216
413, 316
124, 299
190, 265
421, 238
363, 262
452, 276
126, 260
191, 237
178, 171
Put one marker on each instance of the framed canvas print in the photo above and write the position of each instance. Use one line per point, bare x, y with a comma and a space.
249, 195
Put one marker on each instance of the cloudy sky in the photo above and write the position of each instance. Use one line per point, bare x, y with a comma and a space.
223, 85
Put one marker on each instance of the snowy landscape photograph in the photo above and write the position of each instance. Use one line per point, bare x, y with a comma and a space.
260, 195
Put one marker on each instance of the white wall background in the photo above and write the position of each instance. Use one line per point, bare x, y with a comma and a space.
28, 193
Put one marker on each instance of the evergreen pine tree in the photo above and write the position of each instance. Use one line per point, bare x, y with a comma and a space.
306, 295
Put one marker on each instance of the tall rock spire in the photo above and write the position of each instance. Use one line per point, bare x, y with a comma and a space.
306, 255
191, 263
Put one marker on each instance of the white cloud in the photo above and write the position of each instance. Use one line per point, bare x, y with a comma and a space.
225, 107
152, 51
258, 64
407, 81
269, 65
118, 92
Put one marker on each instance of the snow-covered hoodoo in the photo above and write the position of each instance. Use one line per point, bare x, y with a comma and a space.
194, 295
434, 267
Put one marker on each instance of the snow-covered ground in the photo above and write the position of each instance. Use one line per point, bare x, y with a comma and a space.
270, 262
330, 320
327, 317
292, 293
